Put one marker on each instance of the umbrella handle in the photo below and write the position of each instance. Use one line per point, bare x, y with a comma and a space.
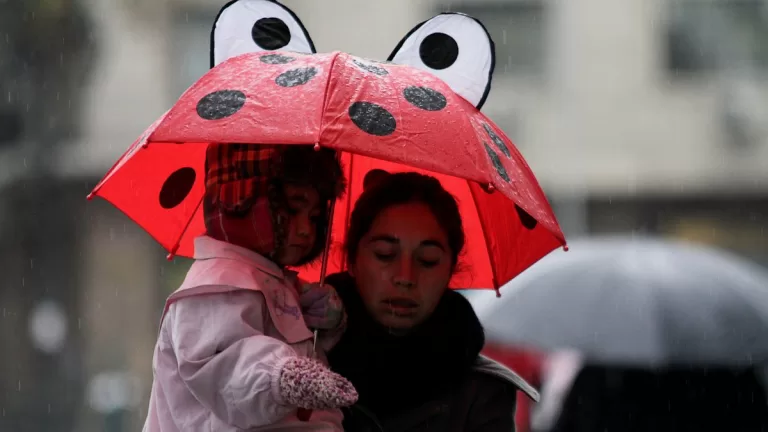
304, 414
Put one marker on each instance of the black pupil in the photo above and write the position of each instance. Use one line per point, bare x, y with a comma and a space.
438, 51
271, 33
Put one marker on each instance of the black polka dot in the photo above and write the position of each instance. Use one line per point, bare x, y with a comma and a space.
220, 104
276, 59
372, 118
496, 161
380, 71
271, 33
425, 98
439, 51
497, 140
527, 220
176, 187
296, 77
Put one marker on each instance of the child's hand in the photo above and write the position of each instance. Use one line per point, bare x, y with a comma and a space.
321, 306
306, 383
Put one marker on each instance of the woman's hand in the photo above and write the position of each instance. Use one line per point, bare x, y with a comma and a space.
307, 383
321, 306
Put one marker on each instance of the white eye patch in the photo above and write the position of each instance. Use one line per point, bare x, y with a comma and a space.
457, 49
246, 26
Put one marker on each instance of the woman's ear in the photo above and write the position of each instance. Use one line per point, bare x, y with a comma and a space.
245, 26
455, 47
374, 177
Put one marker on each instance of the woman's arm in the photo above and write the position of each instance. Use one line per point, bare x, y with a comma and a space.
226, 361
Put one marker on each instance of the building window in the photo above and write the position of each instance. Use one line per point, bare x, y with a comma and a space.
518, 29
712, 35
190, 48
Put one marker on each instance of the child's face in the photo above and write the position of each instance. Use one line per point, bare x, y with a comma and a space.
300, 220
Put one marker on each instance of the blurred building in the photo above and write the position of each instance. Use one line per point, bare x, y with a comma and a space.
640, 115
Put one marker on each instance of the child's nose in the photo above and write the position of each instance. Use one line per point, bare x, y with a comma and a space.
304, 226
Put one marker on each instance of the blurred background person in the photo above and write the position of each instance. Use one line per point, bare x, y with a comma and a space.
643, 335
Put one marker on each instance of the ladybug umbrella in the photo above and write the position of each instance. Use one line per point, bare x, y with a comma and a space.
380, 115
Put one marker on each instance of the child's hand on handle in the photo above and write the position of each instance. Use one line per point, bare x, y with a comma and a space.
321, 306
307, 383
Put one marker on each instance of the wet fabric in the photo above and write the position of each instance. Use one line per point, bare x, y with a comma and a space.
385, 121
225, 336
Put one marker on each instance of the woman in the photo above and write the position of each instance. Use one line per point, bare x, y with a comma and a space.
412, 348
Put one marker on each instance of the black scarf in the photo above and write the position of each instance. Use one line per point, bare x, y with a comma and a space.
395, 373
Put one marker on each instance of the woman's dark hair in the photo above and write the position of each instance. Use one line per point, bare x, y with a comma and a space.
384, 190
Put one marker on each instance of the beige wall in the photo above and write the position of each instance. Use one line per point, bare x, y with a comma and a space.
612, 121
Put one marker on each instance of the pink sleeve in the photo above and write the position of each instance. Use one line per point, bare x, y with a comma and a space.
224, 358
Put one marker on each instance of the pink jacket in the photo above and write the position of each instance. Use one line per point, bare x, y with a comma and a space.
224, 337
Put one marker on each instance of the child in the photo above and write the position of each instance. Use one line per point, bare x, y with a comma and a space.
234, 350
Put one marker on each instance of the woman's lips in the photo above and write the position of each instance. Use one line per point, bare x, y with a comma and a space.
401, 307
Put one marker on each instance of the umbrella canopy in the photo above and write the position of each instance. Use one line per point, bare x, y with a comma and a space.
401, 115
639, 301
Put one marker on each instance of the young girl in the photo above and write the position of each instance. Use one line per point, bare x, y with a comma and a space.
234, 350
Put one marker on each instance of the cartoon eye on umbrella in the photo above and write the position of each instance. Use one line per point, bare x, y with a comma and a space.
419, 111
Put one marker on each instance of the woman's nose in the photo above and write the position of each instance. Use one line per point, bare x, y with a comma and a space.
404, 277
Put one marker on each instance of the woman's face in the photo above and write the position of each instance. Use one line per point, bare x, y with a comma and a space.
403, 266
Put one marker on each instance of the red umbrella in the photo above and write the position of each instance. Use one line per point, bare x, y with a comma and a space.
379, 114
404, 116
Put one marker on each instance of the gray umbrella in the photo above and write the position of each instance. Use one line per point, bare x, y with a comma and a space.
637, 301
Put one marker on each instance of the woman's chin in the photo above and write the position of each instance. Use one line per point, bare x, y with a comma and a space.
397, 322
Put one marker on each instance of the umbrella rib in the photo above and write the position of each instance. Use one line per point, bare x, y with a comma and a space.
659, 335
750, 306
326, 96
343, 263
485, 242
177, 243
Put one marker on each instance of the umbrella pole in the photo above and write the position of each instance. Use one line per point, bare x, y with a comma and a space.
328, 237
304, 414
326, 253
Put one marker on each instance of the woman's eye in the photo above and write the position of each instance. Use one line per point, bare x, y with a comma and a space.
381, 256
429, 263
